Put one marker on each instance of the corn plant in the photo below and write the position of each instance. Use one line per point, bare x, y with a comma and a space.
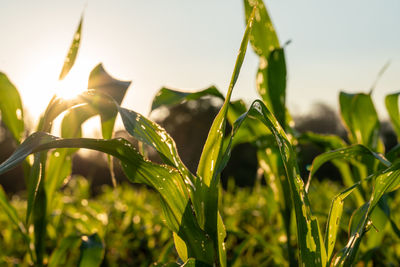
278, 162
190, 200
47, 172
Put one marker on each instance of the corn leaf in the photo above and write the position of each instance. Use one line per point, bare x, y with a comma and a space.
166, 180
251, 130
59, 255
386, 181
11, 213
155, 136
312, 249
211, 156
392, 106
181, 247
37, 176
271, 74
212, 148
100, 83
170, 97
327, 142
92, 251
271, 83
39, 219
334, 217
72, 52
263, 37
58, 168
11, 111
360, 117
344, 153
33, 184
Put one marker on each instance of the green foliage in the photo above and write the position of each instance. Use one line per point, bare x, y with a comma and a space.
64, 226
11, 110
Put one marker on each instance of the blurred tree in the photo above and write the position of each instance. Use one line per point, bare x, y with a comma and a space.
322, 119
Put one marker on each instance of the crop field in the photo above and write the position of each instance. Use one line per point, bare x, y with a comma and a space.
178, 217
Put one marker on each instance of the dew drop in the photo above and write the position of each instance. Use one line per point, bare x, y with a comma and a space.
18, 112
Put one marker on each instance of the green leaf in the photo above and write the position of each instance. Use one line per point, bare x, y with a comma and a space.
271, 75
343, 153
58, 168
169, 97
221, 231
334, 217
101, 83
212, 148
378, 76
166, 180
11, 212
312, 249
386, 180
360, 117
11, 111
392, 106
212, 155
271, 83
40, 220
72, 52
326, 142
92, 251
263, 37
251, 130
33, 184
181, 247
59, 255
98, 101
155, 136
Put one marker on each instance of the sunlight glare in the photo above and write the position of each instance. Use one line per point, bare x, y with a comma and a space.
74, 83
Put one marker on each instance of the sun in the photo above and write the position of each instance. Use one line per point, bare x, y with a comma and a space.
74, 83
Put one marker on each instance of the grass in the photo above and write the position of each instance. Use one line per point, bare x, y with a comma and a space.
290, 221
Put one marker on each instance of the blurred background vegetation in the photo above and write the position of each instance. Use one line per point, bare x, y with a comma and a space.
191, 121
130, 221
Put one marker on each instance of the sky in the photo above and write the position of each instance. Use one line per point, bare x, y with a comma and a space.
189, 45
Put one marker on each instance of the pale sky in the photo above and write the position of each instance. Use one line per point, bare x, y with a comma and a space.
190, 45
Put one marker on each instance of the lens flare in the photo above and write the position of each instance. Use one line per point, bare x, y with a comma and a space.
74, 83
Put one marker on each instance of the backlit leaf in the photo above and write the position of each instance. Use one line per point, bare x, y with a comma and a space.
386, 181
263, 37
392, 106
72, 52
169, 97
360, 117
212, 154
344, 153
166, 180
11, 111
312, 249
334, 217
